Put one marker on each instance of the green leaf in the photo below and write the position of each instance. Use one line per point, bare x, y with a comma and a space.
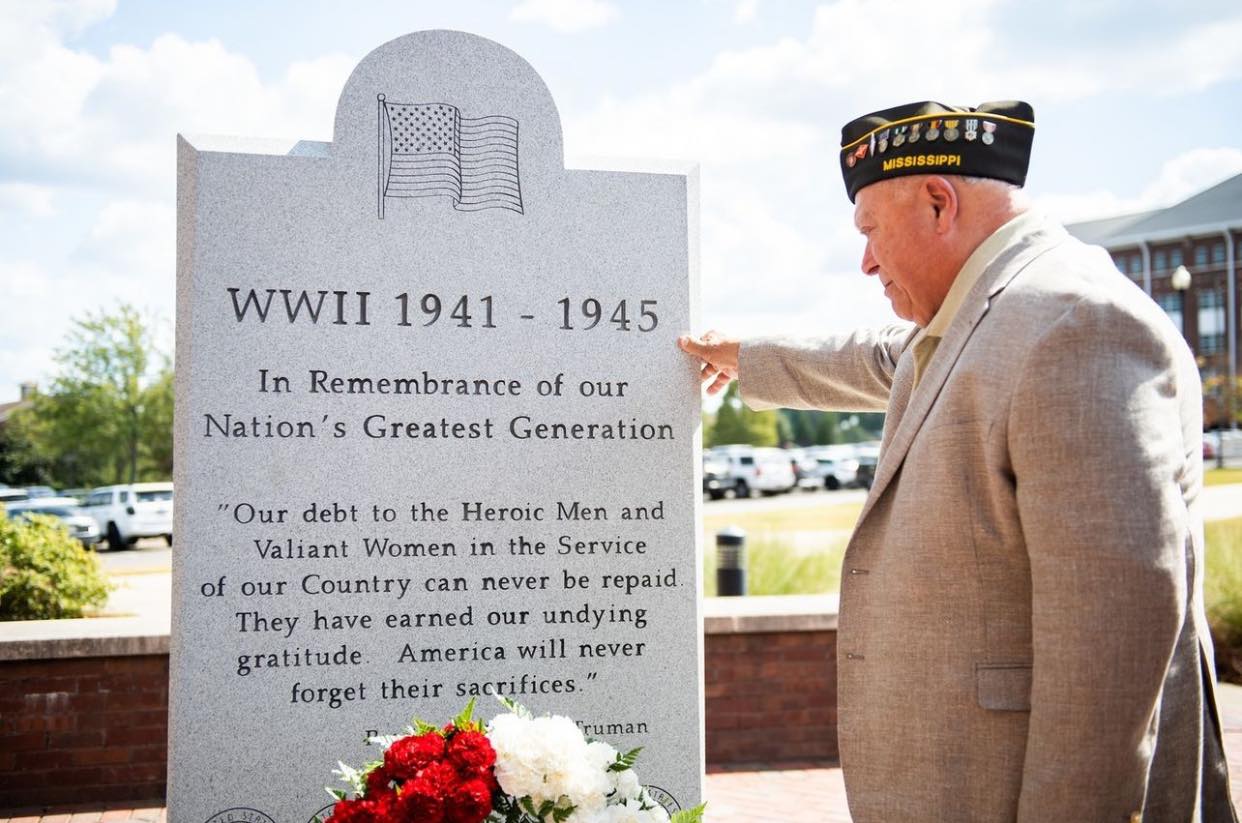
515, 707
625, 761
466, 718
694, 815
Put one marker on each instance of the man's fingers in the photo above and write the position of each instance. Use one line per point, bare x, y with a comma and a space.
723, 379
692, 346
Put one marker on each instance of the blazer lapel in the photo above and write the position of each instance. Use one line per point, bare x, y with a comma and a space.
913, 411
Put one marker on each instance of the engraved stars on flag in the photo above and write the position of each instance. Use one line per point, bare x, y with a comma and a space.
424, 129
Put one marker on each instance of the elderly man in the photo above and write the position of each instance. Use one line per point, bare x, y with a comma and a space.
1022, 634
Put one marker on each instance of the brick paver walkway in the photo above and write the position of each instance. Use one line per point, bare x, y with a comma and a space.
794, 793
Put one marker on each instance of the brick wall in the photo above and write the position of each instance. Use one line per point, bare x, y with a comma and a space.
770, 697
83, 729
85, 720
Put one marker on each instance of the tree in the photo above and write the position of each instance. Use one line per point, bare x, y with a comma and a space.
737, 424
107, 417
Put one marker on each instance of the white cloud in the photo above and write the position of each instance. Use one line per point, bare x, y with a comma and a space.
1180, 177
137, 238
745, 11
566, 15
112, 122
27, 199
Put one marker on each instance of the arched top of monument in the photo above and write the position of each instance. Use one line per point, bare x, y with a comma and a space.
440, 89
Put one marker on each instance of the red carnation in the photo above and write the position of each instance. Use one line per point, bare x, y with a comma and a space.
418, 800
377, 810
472, 754
377, 782
405, 757
440, 777
471, 802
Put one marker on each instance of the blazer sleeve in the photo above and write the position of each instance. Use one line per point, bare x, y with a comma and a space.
845, 372
1096, 438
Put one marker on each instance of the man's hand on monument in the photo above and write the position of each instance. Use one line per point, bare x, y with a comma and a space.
717, 353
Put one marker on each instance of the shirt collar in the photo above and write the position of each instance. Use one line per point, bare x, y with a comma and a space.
975, 266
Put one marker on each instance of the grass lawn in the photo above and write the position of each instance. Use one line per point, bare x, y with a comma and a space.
1221, 477
795, 551
777, 566
829, 517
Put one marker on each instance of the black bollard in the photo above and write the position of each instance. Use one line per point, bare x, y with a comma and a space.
731, 562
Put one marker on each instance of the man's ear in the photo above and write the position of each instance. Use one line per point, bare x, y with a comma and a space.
943, 199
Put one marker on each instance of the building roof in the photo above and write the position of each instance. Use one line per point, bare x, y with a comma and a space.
7, 409
1207, 212
1098, 232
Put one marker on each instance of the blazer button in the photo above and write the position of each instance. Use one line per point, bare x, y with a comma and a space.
860, 571
852, 656
1137, 817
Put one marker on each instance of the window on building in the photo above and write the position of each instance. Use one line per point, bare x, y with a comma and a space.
1136, 264
1218, 253
1201, 255
1171, 302
1160, 261
1211, 321
1175, 258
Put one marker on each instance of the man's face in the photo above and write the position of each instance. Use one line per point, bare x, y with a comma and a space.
900, 228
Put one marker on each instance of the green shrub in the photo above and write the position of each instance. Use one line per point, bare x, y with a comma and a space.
45, 573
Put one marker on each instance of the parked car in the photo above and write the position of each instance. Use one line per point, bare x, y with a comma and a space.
8, 495
718, 480
808, 474
838, 465
753, 469
65, 509
41, 491
1229, 440
126, 513
868, 456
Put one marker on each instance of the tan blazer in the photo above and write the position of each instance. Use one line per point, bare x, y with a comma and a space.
1022, 634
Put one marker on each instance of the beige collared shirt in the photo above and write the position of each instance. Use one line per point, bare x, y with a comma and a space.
926, 341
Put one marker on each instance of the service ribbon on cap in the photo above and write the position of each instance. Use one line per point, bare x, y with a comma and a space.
991, 140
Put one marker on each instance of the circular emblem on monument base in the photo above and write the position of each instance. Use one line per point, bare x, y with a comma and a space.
664, 798
240, 814
323, 814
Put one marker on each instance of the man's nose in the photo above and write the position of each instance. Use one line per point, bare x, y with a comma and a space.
869, 264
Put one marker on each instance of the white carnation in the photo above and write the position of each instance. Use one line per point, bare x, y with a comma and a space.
632, 811
547, 758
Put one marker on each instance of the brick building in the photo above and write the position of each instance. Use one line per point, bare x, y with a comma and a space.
1204, 234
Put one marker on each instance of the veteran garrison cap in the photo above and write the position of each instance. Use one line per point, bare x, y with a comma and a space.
991, 140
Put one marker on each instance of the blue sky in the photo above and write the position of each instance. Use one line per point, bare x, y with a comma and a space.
1136, 106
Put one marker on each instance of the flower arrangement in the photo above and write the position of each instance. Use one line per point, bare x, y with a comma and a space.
517, 769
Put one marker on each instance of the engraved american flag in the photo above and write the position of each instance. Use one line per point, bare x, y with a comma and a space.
430, 150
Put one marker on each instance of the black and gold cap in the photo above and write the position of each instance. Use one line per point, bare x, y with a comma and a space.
991, 140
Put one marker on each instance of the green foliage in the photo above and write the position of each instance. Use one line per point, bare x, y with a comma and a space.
737, 424
625, 761
694, 815
1222, 591
107, 417
45, 573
